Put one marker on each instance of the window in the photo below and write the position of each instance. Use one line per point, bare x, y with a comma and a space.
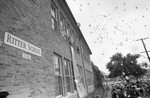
76, 40
73, 78
76, 43
81, 74
64, 76
67, 29
67, 76
86, 55
54, 16
58, 74
89, 77
71, 39
62, 26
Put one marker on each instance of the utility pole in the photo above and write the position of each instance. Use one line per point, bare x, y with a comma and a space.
142, 39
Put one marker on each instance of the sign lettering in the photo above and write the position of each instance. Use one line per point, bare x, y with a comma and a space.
21, 44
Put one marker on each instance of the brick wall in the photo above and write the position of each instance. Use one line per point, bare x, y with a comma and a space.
29, 21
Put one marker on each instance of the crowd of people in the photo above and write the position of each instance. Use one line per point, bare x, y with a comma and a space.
131, 90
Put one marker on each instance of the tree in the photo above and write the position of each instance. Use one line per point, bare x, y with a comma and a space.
120, 65
98, 77
144, 64
98, 82
114, 66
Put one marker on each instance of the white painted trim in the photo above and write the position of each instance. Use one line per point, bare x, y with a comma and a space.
70, 95
59, 96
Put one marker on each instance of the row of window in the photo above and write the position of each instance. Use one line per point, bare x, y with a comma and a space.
64, 76
63, 68
62, 27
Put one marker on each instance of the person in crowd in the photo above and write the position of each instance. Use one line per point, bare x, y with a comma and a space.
148, 89
114, 93
134, 93
121, 93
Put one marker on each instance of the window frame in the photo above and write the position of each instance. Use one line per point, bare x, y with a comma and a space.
81, 74
62, 26
89, 75
73, 78
68, 30
57, 76
68, 86
54, 16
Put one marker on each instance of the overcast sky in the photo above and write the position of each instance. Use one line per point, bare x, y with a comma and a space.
111, 26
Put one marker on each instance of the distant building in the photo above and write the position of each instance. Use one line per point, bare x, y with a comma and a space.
42, 51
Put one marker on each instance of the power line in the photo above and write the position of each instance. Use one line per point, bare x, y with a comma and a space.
142, 39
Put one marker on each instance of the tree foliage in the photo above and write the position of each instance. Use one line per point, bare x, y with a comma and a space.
98, 77
128, 65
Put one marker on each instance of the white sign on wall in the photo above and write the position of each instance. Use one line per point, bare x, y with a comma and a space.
26, 56
1, 43
21, 44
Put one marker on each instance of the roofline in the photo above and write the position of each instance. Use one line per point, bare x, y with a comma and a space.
80, 33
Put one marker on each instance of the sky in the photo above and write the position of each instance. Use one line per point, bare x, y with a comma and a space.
111, 26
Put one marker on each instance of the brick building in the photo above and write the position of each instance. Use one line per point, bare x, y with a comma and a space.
42, 51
